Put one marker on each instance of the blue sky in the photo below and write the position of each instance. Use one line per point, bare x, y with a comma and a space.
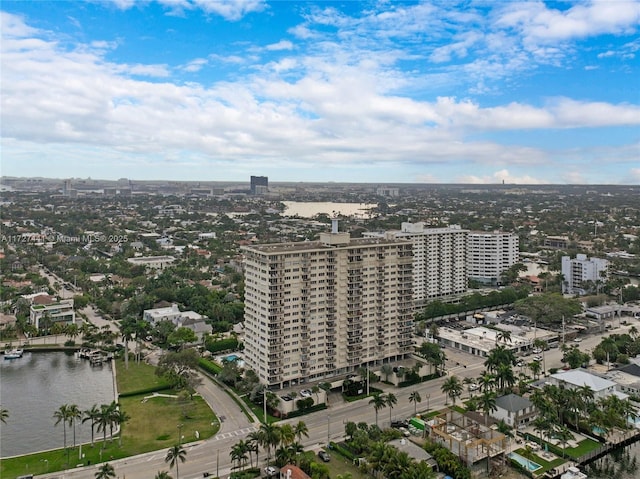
374, 91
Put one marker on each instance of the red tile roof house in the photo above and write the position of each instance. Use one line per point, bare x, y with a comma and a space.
292, 472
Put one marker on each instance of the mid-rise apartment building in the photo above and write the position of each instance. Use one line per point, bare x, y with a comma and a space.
579, 271
489, 254
47, 310
318, 309
439, 259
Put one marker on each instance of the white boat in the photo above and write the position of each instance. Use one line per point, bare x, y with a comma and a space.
573, 473
13, 353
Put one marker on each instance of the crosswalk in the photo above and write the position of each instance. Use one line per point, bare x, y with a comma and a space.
237, 433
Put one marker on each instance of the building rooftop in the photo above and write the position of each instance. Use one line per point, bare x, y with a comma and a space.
319, 245
580, 377
513, 402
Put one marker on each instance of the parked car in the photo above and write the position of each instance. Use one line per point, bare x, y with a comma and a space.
270, 471
577, 340
397, 424
324, 455
405, 432
537, 358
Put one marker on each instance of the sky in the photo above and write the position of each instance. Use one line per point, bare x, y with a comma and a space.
443, 91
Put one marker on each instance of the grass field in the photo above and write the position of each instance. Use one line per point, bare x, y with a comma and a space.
138, 377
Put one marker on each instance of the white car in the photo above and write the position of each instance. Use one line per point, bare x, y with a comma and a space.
577, 340
537, 358
270, 471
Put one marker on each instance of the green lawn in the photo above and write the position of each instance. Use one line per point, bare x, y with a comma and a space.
583, 448
138, 377
341, 465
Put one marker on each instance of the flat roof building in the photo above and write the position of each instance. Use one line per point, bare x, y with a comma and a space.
439, 260
319, 309
490, 254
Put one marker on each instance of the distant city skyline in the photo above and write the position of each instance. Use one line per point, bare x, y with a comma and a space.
354, 92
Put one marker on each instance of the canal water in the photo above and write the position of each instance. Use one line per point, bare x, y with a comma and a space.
623, 463
33, 387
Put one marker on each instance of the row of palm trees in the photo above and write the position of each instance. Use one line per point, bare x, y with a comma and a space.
102, 418
285, 440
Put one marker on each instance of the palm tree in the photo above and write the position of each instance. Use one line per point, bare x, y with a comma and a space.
105, 471
487, 404
301, 429
415, 398
4, 414
269, 437
104, 421
391, 400
239, 453
287, 434
564, 435
378, 402
92, 415
74, 415
61, 415
536, 368
504, 336
119, 418
452, 387
163, 475
254, 441
487, 381
176, 454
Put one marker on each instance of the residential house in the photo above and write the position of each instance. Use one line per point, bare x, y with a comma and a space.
578, 378
514, 410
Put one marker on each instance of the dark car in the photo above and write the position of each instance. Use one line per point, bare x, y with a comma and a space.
398, 424
324, 455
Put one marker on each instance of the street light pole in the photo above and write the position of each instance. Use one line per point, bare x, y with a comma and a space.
180, 433
428, 397
328, 429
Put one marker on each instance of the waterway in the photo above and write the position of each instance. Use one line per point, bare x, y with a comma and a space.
622, 463
33, 387
311, 209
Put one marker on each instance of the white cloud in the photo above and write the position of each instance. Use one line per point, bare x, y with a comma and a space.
195, 65
340, 104
538, 23
281, 45
232, 10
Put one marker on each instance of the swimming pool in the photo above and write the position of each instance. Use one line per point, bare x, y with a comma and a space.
524, 462
231, 357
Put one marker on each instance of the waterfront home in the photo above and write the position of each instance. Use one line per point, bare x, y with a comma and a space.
514, 410
578, 378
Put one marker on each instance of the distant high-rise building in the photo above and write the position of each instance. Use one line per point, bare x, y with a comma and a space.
439, 260
582, 274
489, 254
66, 187
259, 185
318, 309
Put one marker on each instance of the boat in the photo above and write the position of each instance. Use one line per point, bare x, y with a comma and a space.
573, 473
13, 353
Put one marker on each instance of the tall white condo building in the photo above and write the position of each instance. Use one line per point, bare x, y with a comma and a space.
319, 309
